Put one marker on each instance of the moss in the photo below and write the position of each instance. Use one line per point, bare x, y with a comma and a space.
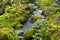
8, 34
13, 15
54, 20
23, 1
45, 30
35, 17
3, 5
10, 9
27, 14
28, 34
18, 26
22, 19
7, 20
49, 10
54, 34
21, 6
30, 6
45, 2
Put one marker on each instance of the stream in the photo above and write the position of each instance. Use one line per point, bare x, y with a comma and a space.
28, 24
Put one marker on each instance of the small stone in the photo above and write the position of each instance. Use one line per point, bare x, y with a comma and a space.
37, 12
25, 5
55, 4
40, 11
35, 7
20, 34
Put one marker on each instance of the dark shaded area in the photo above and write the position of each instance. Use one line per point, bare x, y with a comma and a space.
30, 38
32, 1
21, 34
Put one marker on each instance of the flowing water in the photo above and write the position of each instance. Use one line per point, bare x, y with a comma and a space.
28, 24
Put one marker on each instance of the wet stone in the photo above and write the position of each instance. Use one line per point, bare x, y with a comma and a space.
21, 34
37, 12
56, 5
32, 1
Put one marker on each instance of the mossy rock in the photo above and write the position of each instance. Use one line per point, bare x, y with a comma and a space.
8, 34
28, 34
30, 6
18, 26
27, 14
35, 17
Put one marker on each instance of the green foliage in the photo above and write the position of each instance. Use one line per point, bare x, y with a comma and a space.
28, 34
10, 9
54, 20
13, 10
35, 17
21, 1
8, 34
54, 9
53, 34
45, 30
3, 5
18, 26
7, 20
12, 16
41, 27
49, 10
45, 2
30, 5
48, 6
